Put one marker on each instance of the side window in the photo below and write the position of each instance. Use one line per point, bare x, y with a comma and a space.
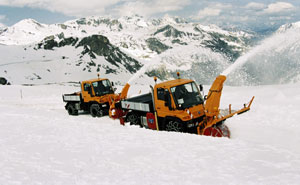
106, 83
95, 84
160, 94
188, 87
87, 87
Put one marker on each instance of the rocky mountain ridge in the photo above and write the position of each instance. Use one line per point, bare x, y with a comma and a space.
120, 47
132, 42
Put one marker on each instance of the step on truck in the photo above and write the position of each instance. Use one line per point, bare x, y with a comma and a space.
95, 98
177, 105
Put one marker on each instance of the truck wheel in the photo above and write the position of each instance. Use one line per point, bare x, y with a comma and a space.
72, 110
3, 81
96, 110
133, 119
174, 125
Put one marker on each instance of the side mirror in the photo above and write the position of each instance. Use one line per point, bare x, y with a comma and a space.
112, 84
201, 87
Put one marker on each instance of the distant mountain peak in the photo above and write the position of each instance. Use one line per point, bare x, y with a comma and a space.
28, 22
170, 31
288, 26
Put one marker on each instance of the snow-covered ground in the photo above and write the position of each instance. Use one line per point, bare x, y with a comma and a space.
41, 144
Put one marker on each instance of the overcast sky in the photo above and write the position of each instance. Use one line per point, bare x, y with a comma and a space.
252, 14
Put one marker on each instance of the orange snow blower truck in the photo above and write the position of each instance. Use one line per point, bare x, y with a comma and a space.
95, 97
177, 105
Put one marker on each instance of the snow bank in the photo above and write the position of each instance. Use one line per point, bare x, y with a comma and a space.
41, 144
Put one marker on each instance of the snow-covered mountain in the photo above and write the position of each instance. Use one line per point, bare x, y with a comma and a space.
66, 60
290, 26
168, 43
32, 52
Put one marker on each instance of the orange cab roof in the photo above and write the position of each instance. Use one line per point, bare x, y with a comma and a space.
173, 83
94, 80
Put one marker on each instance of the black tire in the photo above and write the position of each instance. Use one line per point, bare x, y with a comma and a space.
3, 81
174, 126
72, 110
96, 111
134, 119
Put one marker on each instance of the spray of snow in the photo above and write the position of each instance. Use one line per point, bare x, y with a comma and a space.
243, 59
141, 72
277, 43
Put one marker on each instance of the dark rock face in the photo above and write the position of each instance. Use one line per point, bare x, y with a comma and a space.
169, 31
3, 81
177, 41
113, 24
97, 43
68, 41
100, 45
94, 45
155, 45
218, 45
3, 30
49, 43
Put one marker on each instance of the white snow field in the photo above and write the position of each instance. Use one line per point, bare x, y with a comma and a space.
41, 144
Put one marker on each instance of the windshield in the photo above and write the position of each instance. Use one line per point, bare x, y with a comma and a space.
102, 87
186, 95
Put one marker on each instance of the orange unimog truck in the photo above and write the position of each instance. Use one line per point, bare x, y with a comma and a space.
177, 105
95, 97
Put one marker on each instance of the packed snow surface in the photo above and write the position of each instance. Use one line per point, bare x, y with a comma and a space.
41, 144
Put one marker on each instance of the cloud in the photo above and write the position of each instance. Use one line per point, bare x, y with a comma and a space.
255, 6
212, 10
75, 8
79, 8
147, 8
209, 12
278, 7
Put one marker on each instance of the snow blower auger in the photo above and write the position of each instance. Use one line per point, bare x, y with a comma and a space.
213, 122
176, 105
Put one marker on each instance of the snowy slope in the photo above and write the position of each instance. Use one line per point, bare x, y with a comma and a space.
76, 60
41, 144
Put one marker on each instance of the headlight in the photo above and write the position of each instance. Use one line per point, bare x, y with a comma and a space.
190, 125
113, 112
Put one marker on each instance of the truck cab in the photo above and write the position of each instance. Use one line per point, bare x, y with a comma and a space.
96, 90
179, 104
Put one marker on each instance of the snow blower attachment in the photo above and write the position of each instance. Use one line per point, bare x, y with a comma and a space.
212, 124
176, 105
115, 111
